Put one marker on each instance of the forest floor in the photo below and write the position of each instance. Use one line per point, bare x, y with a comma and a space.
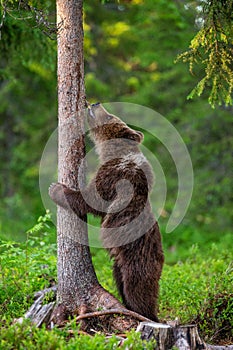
195, 288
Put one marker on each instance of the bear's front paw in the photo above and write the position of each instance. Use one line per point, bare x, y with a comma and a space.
57, 193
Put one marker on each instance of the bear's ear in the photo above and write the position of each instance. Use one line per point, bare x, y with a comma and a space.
136, 136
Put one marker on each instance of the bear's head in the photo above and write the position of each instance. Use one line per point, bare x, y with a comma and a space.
105, 126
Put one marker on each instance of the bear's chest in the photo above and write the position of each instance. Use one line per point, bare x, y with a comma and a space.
120, 175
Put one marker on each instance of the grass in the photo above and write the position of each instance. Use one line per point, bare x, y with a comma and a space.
196, 286
27, 337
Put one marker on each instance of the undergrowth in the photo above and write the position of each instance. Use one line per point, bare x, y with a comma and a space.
27, 337
197, 288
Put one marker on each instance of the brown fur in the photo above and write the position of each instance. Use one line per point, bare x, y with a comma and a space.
129, 230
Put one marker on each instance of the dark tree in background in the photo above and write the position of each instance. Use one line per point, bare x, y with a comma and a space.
142, 72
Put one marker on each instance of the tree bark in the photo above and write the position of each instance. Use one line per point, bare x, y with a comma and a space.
78, 288
75, 272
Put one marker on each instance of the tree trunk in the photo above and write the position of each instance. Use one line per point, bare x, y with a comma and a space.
78, 288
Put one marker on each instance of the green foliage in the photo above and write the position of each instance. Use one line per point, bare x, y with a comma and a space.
129, 56
25, 336
196, 289
211, 49
27, 117
31, 266
26, 268
215, 319
35, 13
130, 49
187, 286
145, 73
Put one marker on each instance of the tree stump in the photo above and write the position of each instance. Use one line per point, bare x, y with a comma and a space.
176, 337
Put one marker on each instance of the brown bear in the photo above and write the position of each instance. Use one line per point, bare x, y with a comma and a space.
119, 194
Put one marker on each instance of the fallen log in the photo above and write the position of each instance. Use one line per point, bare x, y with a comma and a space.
40, 312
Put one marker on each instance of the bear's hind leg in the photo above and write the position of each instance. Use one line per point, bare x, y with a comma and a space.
140, 292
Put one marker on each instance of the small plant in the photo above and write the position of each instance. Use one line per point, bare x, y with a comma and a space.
216, 318
26, 268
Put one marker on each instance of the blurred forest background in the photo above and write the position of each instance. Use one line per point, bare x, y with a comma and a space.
130, 49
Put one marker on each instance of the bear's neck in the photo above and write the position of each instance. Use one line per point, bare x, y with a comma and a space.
116, 149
